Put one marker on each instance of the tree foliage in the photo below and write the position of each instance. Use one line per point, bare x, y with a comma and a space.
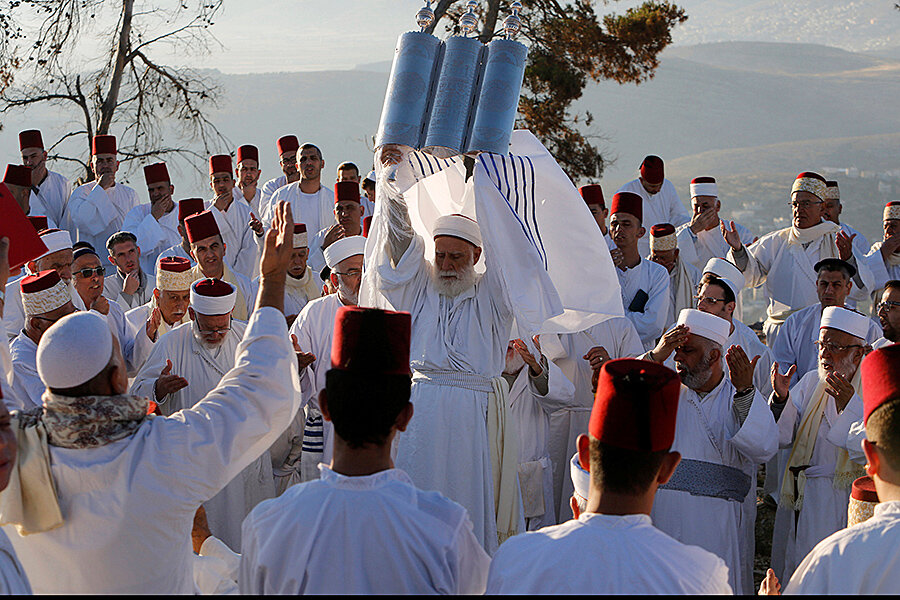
43, 61
569, 44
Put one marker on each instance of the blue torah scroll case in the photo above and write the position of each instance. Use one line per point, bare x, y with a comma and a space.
457, 96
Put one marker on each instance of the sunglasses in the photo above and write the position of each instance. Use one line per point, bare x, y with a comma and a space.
85, 273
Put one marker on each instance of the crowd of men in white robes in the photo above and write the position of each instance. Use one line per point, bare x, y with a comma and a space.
201, 404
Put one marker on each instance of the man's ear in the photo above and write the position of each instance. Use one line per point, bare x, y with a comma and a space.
583, 443
677, 252
476, 254
323, 405
334, 280
573, 504
156, 294
641, 232
669, 464
111, 260
873, 461
191, 313
402, 420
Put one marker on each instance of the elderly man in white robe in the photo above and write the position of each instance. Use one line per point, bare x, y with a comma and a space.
109, 469
97, 209
814, 418
287, 147
302, 284
129, 285
186, 208
184, 365
627, 452
883, 257
49, 190
167, 308
47, 299
660, 200
240, 231
155, 224
683, 276
724, 430
537, 389
311, 201
783, 260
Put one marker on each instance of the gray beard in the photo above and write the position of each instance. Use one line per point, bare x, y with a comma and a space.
696, 378
453, 287
213, 349
845, 368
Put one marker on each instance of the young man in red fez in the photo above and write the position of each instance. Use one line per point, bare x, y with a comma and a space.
239, 227
783, 260
683, 276
186, 208
98, 208
155, 224
661, 203
287, 147
348, 215
612, 547
248, 172
644, 284
49, 190
416, 542
17, 180
312, 202
593, 197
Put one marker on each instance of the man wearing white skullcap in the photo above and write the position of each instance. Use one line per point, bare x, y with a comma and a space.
183, 366
814, 420
312, 334
113, 487
724, 430
47, 298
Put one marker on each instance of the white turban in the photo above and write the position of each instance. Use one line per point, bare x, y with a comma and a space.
344, 248
55, 241
723, 269
704, 189
458, 226
219, 302
705, 325
74, 350
848, 321
581, 479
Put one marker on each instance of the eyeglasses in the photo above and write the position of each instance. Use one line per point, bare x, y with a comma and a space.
803, 203
222, 331
834, 348
100, 271
56, 319
708, 299
350, 273
886, 306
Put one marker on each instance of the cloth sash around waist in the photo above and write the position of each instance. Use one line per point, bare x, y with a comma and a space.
702, 478
459, 379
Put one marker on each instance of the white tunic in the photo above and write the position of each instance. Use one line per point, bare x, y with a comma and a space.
153, 237
14, 310
253, 203
27, 384
316, 210
203, 370
662, 207
674, 307
390, 538
620, 339
860, 560
707, 429
13, 580
129, 505
266, 191
51, 199
136, 318
95, 213
241, 243
114, 284
882, 270
653, 279
637, 558
698, 248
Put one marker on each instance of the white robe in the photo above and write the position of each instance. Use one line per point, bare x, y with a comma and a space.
316, 210
674, 307
253, 203
13, 580
95, 214
242, 245
266, 191
51, 200
707, 429
114, 283
620, 339
129, 505
153, 237
463, 337
136, 318
698, 248
414, 542
530, 410
203, 370
27, 384
824, 508
245, 285
860, 560
662, 207
653, 279
299, 292
882, 270
637, 558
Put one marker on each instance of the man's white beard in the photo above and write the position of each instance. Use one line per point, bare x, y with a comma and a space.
696, 378
464, 279
346, 295
213, 348
845, 367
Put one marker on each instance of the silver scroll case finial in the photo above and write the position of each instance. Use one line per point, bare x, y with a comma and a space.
513, 24
425, 16
469, 20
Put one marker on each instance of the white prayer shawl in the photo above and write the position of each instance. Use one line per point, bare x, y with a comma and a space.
27, 384
530, 411
151, 483
137, 323
242, 246
253, 203
620, 339
203, 370
881, 343
178, 250
415, 542
266, 191
654, 280
216, 569
707, 429
315, 210
824, 507
860, 560
662, 207
683, 281
153, 237
51, 199
698, 248
114, 284
637, 559
299, 292
795, 344
95, 214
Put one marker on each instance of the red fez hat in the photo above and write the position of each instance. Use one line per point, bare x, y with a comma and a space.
810, 175
18, 175
831, 183
662, 229
188, 207
863, 489
220, 163
592, 194
635, 405
40, 222
299, 227
40, 282
880, 378
156, 173
652, 169
103, 144
627, 202
287, 144
703, 180
346, 190
31, 139
213, 288
370, 340
174, 264
247, 152
367, 224
201, 226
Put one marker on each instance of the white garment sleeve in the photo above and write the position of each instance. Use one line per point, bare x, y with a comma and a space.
848, 432
686, 244
145, 379
474, 563
90, 209
652, 322
560, 391
759, 256
151, 237
757, 437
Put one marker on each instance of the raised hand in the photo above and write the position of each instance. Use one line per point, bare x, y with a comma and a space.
107, 180
740, 368
703, 220
167, 383
255, 224
844, 244
667, 344
132, 282
276, 254
731, 235
534, 364
781, 384
618, 259
391, 154
304, 359
101, 305
770, 586
596, 356
153, 323
837, 386
335, 232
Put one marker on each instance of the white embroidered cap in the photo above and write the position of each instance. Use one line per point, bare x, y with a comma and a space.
44, 292
344, 248
74, 350
174, 274
705, 325
459, 226
848, 321
213, 297
581, 479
